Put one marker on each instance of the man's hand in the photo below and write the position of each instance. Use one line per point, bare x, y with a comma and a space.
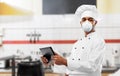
44, 60
59, 60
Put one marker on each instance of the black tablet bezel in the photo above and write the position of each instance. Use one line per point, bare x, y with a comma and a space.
51, 50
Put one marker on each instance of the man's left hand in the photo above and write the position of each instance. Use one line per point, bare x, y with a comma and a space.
59, 60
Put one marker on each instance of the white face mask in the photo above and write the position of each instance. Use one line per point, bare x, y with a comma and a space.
87, 26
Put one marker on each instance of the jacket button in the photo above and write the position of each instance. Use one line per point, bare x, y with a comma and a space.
78, 59
80, 39
82, 47
75, 48
72, 59
89, 38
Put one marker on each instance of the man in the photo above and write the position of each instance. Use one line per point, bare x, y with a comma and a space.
87, 53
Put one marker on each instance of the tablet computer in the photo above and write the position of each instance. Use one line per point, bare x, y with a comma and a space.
47, 52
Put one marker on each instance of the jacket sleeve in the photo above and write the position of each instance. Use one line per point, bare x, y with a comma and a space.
94, 61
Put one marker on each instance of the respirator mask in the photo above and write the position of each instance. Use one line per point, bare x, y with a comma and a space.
87, 26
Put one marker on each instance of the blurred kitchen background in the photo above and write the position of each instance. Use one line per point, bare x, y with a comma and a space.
27, 25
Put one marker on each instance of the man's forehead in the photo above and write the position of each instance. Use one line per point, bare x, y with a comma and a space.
88, 17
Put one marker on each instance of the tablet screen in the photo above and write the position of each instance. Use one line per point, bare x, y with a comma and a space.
46, 50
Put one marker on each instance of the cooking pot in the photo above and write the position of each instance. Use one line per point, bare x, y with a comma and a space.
33, 68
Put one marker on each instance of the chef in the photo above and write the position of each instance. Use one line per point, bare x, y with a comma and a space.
87, 54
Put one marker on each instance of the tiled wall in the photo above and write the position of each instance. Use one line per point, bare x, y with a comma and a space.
61, 39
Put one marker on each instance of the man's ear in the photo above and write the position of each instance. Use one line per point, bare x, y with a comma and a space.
95, 22
80, 23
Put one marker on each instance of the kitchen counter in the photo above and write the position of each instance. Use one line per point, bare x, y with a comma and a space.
109, 70
46, 74
105, 72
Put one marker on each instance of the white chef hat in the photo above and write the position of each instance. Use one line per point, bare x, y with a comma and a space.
87, 11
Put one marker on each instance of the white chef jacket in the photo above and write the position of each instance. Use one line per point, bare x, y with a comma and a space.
86, 56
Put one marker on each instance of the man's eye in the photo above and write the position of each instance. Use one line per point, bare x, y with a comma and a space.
83, 19
91, 19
